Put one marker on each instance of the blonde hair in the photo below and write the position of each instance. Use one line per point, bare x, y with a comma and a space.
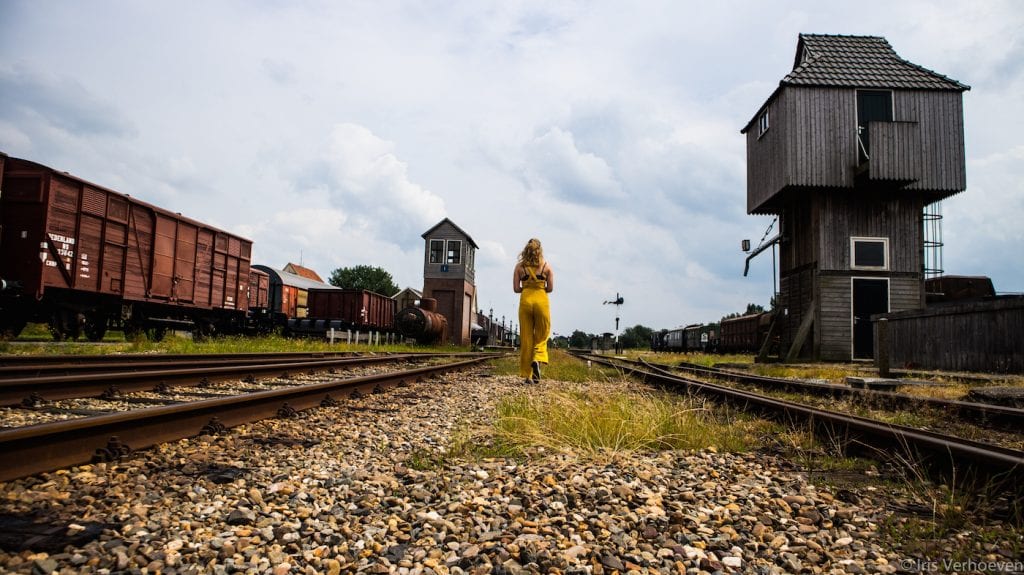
532, 254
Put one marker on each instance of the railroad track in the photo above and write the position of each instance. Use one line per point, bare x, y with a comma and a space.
103, 437
42, 365
100, 379
946, 455
1003, 417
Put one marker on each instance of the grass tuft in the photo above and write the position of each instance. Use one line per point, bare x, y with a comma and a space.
597, 420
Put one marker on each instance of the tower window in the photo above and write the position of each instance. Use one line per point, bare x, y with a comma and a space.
762, 123
454, 252
869, 253
436, 251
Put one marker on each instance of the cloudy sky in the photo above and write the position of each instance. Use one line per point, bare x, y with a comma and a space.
335, 133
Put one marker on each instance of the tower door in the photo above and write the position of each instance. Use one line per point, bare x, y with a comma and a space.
870, 296
872, 106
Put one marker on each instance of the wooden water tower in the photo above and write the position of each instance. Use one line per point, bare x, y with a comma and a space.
449, 277
848, 152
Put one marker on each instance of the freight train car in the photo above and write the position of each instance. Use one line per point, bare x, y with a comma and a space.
260, 319
288, 296
83, 258
744, 334
344, 309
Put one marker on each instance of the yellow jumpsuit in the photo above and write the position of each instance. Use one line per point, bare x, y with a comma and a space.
534, 322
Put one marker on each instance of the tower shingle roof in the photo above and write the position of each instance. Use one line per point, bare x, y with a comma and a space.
860, 62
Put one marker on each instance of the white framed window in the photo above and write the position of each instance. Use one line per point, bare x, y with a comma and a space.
454, 252
762, 123
869, 253
436, 251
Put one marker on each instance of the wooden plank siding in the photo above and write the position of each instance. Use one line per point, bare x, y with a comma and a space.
986, 336
834, 336
940, 117
812, 143
895, 152
870, 214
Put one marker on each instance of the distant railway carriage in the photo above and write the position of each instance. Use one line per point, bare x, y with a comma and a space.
358, 308
701, 337
289, 293
673, 340
82, 258
744, 334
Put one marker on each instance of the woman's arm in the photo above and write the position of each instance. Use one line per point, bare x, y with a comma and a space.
517, 286
550, 284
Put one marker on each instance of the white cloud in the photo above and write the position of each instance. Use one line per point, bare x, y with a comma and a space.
373, 184
339, 132
556, 165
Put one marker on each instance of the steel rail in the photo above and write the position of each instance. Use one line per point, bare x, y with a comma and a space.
1011, 418
952, 455
38, 365
16, 391
45, 447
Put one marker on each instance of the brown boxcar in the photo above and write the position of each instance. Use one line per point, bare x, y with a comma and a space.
745, 333
259, 289
87, 257
360, 308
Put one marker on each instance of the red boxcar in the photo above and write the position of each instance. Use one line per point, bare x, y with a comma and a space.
87, 257
361, 308
745, 334
259, 289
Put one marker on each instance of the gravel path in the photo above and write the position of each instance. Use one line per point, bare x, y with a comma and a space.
366, 488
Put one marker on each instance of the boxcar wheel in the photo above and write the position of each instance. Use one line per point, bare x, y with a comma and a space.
65, 325
95, 326
11, 328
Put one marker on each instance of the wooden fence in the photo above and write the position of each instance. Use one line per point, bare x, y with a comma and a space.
982, 336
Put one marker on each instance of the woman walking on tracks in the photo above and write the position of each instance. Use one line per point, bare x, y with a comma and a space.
533, 279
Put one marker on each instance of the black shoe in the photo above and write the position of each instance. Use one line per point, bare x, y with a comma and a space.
535, 366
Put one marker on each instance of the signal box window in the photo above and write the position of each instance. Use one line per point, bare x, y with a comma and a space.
454, 252
762, 124
869, 253
436, 251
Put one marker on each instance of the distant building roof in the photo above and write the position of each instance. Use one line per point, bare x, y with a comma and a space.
417, 294
860, 62
294, 280
304, 272
452, 224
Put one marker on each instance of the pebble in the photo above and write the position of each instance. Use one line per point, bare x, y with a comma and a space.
369, 487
